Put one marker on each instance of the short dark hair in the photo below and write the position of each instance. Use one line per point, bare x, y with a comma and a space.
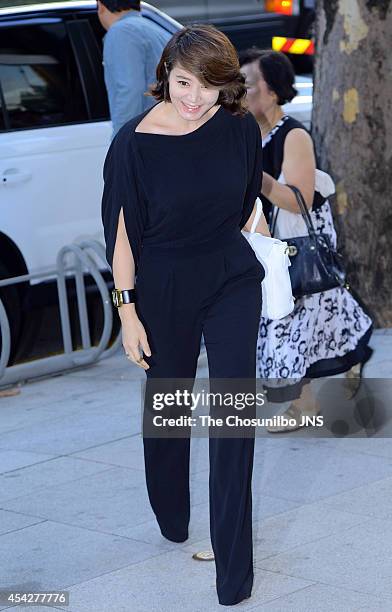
116, 6
210, 56
277, 71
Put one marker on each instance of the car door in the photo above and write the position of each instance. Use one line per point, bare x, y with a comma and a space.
54, 138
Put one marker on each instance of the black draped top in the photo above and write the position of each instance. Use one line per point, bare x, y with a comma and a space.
181, 190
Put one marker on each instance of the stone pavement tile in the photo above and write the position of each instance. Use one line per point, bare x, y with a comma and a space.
268, 585
109, 501
53, 472
371, 500
66, 434
302, 525
380, 365
127, 452
172, 581
358, 558
62, 396
310, 473
379, 447
14, 459
24, 411
122, 397
324, 598
51, 556
53, 390
199, 528
13, 521
267, 505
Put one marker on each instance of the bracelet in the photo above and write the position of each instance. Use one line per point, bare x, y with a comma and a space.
123, 296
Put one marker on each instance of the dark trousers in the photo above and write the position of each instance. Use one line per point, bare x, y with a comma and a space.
214, 290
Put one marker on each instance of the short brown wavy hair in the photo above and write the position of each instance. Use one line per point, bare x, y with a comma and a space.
210, 56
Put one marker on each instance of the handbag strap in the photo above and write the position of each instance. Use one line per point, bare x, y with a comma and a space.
259, 210
304, 212
274, 216
303, 208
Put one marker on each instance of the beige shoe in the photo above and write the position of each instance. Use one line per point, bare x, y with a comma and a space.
292, 412
352, 380
9, 392
205, 555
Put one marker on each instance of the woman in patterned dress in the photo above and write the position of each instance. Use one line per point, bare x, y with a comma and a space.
328, 332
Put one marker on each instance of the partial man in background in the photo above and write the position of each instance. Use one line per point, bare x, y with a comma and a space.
132, 48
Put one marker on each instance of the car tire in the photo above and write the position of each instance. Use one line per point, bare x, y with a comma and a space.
10, 297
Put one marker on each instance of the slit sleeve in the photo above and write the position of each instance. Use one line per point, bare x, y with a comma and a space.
254, 156
120, 175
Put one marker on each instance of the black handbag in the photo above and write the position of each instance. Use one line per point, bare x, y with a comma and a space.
315, 265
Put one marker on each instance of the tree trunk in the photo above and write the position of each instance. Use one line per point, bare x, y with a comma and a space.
352, 129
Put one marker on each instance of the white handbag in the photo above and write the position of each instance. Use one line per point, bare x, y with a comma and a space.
278, 299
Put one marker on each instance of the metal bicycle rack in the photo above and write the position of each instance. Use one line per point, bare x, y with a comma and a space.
70, 359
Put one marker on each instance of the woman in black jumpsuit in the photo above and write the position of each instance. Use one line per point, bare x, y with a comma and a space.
185, 199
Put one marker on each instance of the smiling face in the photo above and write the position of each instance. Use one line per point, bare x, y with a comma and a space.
260, 98
191, 98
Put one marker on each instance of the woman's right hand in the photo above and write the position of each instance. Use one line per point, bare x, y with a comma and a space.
134, 336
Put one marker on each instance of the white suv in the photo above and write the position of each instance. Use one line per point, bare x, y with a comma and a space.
54, 133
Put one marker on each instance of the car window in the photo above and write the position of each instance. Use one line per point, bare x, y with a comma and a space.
97, 29
39, 77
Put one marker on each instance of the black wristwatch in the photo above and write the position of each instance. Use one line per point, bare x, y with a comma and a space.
123, 296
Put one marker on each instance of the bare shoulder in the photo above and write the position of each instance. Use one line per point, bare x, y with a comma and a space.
298, 137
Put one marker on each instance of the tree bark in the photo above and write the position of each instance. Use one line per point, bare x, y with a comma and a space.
352, 129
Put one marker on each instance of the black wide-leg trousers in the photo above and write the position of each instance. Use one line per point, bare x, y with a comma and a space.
214, 290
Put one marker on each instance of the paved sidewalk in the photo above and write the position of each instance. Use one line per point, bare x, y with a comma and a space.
74, 512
